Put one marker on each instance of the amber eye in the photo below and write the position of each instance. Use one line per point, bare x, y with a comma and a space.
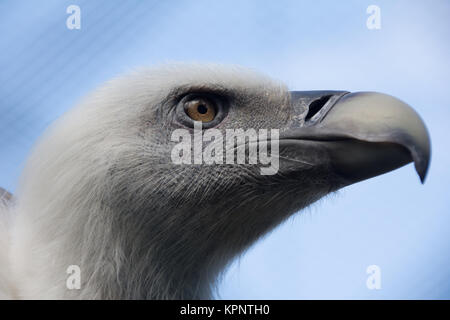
200, 110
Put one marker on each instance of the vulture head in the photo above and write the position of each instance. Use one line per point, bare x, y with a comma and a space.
101, 190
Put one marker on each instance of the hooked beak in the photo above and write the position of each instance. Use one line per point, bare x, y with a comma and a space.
365, 133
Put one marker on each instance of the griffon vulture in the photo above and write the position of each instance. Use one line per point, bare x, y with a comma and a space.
100, 190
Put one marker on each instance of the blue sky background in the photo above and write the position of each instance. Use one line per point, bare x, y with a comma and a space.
392, 221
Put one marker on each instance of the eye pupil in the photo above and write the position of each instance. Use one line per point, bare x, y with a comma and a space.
202, 109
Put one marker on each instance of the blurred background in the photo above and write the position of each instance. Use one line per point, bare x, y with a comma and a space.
391, 221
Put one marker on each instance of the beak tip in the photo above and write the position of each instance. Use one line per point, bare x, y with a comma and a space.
422, 177
422, 171
422, 157
421, 164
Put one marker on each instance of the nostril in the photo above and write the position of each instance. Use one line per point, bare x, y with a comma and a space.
316, 106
